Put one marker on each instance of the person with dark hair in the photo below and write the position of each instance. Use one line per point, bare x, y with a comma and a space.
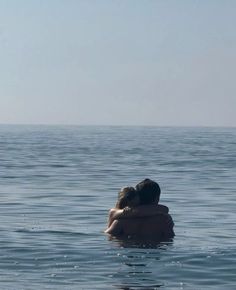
140, 214
149, 191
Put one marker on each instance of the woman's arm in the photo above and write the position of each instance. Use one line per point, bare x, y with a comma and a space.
114, 213
139, 211
115, 228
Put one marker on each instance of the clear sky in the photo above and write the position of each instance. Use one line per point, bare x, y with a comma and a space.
126, 62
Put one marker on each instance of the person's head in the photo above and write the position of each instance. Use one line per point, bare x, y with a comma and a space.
127, 196
149, 191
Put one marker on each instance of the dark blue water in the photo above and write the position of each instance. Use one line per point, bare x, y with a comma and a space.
57, 184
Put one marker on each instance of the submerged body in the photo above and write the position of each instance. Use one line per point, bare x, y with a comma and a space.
136, 212
139, 214
159, 227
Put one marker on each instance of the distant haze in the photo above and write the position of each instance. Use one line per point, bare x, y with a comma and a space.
134, 62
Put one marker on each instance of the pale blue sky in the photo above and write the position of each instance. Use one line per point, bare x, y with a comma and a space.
126, 62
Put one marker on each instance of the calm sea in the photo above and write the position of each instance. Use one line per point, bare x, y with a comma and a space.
58, 183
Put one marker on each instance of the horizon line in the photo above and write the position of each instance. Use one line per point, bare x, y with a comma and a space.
116, 125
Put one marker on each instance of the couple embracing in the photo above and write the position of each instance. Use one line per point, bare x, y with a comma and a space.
139, 214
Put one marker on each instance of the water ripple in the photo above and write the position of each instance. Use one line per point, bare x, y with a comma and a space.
57, 184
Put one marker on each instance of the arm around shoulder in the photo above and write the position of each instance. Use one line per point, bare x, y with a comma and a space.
145, 211
139, 211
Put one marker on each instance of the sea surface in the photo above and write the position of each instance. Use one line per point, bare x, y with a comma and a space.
57, 184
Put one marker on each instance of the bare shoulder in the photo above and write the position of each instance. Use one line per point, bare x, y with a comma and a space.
163, 208
164, 217
112, 212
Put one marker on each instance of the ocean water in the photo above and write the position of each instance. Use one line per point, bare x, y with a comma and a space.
58, 183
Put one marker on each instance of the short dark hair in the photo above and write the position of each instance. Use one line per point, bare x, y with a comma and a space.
149, 191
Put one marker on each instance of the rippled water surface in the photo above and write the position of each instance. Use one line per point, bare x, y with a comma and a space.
57, 184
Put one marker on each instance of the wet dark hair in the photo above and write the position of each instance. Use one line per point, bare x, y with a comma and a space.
149, 191
125, 195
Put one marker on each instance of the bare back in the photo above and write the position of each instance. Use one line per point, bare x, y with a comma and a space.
159, 226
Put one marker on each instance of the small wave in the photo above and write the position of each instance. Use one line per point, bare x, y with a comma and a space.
54, 232
58, 165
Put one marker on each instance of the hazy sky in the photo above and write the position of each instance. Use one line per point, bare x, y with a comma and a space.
126, 62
